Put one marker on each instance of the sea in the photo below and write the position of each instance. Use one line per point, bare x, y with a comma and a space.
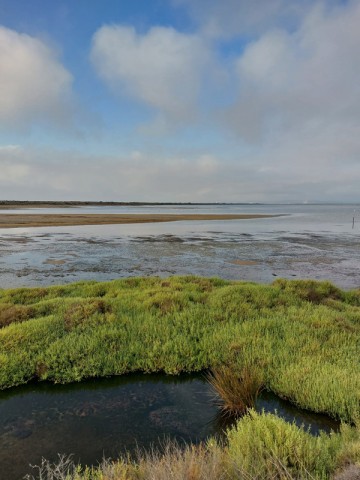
306, 241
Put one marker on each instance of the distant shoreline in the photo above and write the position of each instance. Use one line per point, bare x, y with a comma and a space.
64, 220
15, 204
20, 204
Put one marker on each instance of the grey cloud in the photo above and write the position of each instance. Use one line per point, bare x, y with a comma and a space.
308, 77
44, 174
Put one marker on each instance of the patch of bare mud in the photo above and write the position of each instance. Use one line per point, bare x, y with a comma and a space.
244, 262
53, 261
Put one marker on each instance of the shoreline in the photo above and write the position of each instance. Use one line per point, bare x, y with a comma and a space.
29, 204
67, 220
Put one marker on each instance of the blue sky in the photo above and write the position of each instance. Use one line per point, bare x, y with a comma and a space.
180, 100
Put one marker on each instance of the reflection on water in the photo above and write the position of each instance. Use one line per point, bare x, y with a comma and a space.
307, 242
106, 417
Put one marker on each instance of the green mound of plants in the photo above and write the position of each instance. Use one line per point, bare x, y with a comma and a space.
302, 335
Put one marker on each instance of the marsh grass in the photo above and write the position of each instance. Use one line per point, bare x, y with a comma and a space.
235, 390
304, 335
259, 447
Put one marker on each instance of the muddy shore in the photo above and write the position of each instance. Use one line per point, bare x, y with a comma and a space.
63, 220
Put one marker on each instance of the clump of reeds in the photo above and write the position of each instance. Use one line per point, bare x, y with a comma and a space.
236, 390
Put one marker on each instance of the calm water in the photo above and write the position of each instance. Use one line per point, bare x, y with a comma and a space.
307, 241
106, 417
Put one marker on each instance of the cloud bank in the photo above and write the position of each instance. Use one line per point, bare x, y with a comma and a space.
40, 174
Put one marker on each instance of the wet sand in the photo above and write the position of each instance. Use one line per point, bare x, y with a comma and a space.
63, 220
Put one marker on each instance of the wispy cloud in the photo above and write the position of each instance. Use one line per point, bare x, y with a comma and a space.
226, 19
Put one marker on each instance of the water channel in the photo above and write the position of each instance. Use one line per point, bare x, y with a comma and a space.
103, 418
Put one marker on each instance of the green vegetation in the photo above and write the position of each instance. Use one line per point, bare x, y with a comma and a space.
260, 446
303, 335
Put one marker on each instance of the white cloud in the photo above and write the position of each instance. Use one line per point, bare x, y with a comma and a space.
229, 18
34, 85
9, 148
162, 68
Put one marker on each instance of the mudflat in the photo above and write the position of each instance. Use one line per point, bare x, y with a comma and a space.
58, 220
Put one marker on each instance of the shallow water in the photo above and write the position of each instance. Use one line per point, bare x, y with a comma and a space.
106, 417
306, 241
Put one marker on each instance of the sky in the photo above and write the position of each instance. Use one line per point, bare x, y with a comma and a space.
180, 100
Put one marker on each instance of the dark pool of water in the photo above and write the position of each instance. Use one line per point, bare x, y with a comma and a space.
106, 417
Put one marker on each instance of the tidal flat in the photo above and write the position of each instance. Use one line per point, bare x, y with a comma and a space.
293, 241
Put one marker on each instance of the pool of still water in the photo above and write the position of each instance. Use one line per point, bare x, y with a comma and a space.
106, 417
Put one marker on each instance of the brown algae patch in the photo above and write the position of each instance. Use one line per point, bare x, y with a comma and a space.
51, 261
244, 262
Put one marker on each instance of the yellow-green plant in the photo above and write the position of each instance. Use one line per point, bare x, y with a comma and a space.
304, 335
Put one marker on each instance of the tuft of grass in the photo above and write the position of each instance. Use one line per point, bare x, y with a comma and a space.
235, 391
175, 462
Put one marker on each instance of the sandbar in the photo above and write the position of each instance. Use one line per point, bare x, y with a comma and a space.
65, 220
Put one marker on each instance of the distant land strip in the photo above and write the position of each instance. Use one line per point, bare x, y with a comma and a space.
59, 220
14, 204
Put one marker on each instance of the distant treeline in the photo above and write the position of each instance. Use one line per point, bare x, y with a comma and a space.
73, 203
